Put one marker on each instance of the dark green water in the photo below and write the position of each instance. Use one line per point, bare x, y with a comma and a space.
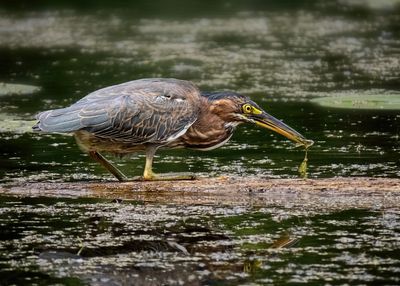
282, 55
100, 242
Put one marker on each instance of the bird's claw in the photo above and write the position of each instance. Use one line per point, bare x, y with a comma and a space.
169, 177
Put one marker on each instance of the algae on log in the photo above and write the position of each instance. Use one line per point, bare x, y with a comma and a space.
333, 193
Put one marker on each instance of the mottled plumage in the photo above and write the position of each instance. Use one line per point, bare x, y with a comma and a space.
139, 112
148, 114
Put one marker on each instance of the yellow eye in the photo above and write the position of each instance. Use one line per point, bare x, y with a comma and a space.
247, 108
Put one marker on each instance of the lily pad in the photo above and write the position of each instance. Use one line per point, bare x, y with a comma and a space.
17, 89
361, 101
16, 126
12, 124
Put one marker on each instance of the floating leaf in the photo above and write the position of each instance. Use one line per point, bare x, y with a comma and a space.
12, 124
361, 101
16, 126
17, 89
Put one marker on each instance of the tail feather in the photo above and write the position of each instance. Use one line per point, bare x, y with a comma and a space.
62, 120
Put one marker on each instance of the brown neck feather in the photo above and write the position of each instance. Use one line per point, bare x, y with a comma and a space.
209, 129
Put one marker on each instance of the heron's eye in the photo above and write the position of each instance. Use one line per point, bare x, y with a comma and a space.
247, 108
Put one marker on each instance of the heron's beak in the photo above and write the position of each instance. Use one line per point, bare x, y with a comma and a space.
267, 121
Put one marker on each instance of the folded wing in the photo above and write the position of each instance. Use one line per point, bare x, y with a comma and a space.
141, 111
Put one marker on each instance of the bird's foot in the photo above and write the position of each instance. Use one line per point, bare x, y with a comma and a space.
169, 177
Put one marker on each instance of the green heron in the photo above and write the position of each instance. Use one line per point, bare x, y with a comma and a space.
148, 114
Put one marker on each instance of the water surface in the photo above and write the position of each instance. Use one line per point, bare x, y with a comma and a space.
100, 242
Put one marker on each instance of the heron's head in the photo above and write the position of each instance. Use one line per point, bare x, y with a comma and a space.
236, 108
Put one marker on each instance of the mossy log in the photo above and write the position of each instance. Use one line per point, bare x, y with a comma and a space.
330, 193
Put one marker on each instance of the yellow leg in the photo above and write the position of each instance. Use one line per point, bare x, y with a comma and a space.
149, 175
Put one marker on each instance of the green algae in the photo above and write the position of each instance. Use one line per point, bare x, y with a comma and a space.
303, 166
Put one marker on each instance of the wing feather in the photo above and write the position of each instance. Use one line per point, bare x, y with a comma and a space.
141, 111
